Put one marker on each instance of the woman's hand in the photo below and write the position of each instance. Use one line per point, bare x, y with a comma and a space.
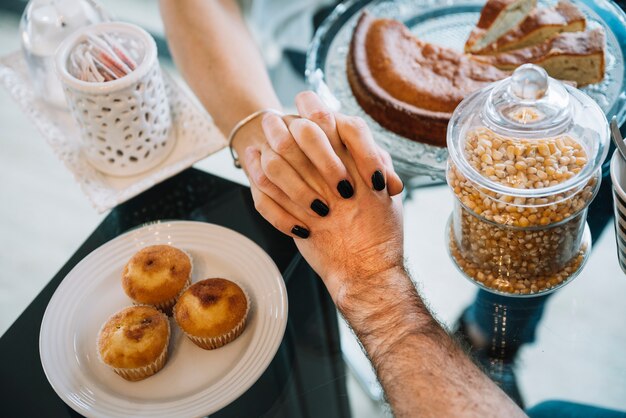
368, 156
293, 164
348, 238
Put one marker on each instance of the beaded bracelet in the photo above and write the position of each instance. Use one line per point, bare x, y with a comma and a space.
241, 124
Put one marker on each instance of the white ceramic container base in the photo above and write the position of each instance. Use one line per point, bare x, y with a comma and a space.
195, 133
194, 382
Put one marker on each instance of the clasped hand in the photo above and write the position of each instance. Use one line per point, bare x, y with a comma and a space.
322, 179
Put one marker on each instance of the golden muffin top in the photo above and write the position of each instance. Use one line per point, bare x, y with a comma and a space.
133, 337
156, 274
211, 308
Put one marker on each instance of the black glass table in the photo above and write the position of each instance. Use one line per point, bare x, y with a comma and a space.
306, 377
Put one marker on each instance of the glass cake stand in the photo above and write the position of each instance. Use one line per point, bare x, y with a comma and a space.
446, 23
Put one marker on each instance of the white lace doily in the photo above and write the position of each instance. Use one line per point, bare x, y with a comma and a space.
196, 137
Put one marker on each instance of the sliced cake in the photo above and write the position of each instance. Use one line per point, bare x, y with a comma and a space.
540, 25
574, 56
497, 18
407, 85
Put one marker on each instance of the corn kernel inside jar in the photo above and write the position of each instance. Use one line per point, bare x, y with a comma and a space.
519, 244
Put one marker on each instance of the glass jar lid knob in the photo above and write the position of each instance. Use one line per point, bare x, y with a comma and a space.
529, 82
529, 101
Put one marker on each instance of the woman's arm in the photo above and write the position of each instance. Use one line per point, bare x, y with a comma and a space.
219, 60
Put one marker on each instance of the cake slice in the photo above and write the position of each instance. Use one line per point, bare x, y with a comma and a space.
407, 85
497, 18
574, 56
540, 25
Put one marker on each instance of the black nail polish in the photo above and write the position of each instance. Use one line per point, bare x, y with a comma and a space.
300, 231
320, 207
345, 189
378, 180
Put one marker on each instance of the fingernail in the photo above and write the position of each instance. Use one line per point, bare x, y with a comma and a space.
300, 231
378, 180
320, 207
345, 189
402, 187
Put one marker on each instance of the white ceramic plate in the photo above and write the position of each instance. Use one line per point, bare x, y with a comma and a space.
194, 382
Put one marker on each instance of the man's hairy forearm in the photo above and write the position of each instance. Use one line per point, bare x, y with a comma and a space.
423, 371
218, 58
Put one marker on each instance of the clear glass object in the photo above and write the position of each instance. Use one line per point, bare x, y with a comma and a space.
44, 25
525, 158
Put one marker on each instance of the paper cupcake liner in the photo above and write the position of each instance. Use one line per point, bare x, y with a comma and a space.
167, 306
211, 343
139, 373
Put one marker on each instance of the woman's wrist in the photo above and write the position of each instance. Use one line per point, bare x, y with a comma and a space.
251, 134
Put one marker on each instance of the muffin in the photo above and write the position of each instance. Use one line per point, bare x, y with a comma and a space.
156, 276
212, 312
133, 342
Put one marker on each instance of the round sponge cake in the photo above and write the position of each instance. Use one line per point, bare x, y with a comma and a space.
157, 275
133, 342
212, 312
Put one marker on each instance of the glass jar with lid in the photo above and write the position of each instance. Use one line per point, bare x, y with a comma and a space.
525, 162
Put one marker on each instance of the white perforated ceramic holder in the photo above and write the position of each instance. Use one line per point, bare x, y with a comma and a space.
125, 123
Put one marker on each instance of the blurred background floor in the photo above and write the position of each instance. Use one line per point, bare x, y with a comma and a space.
44, 217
